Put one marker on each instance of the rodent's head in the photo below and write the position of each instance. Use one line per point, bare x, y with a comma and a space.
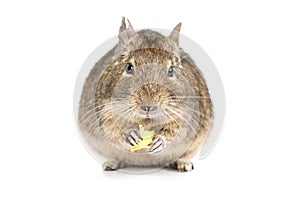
146, 80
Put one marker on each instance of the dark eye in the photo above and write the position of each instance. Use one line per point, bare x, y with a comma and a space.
129, 68
171, 72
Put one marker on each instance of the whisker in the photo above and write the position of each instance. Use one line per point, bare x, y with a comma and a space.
121, 114
192, 97
93, 105
126, 118
91, 113
196, 122
181, 117
106, 112
129, 117
96, 121
187, 108
169, 115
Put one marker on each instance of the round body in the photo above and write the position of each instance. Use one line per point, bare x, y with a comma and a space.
146, 81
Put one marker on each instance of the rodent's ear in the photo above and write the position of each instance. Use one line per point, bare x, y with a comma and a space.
126, 32
175, 33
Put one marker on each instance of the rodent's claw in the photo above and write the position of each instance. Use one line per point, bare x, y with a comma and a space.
157, 145
133, 138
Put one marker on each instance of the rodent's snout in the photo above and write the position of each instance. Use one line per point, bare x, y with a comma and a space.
150, 100
149, 108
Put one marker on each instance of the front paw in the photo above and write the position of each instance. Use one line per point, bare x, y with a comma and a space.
157, 145
133, 137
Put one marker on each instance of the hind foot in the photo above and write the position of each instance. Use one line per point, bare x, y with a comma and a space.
182, 165
111, 165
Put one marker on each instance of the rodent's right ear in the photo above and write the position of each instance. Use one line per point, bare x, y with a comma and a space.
126, 32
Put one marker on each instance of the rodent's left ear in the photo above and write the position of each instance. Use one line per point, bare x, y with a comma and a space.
175, 33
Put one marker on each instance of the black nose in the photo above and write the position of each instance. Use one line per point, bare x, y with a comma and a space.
149, 108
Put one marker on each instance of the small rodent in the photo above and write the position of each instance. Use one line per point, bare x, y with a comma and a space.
148, 80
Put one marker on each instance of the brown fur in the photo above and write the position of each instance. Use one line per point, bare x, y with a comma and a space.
109, 94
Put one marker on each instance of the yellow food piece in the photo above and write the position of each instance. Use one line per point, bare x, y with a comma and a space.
147, 137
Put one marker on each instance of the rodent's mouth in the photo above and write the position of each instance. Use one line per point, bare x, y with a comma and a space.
147, 115
152, 113
149, 111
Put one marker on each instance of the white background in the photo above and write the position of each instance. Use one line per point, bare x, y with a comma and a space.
255, 46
